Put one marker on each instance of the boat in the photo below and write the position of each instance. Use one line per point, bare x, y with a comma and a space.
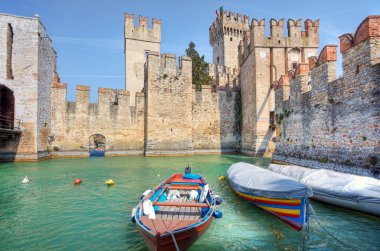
276, 194
176, 213
345, 190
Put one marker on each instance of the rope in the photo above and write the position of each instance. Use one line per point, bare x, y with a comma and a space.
341, 242
175, 242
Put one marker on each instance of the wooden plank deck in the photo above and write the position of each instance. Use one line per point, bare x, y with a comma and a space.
174, 214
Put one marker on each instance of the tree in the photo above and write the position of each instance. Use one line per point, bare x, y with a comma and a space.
200, 68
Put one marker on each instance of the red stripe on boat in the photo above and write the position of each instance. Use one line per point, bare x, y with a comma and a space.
285, 203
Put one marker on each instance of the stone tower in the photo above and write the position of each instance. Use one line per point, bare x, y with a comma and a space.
27, 65
138, 42
262, 61
225, 34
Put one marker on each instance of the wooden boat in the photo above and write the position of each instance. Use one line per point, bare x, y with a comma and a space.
176, 213
279, 195
339, 189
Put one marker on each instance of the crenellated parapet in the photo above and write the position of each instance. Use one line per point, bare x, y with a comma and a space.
296, 37
224, 76
107, 97
164, 66
369, 29
310, 75
228, 24
142, 31
332, 123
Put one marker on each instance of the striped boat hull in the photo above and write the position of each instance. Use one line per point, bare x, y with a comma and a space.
291, 211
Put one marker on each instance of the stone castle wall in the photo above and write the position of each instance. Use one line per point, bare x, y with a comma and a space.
332, 123
168, 105
46, 69
32, 66
216, 120
113, 117
263, 59
169, 118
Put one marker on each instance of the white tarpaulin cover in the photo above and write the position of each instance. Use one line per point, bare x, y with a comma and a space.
255, 180
333, 184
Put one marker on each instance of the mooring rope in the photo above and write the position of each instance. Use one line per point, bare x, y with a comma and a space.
341, 242
175, 242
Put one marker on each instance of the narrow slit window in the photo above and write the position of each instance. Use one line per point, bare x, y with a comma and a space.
271, 118
9, 51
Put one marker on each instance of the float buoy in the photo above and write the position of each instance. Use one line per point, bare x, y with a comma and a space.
217, 214
77, 181
222, 177
25, 180
109, 182
218, 200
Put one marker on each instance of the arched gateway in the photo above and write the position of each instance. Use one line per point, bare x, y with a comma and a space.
97, 145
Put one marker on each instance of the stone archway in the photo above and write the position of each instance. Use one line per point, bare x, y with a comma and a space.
97, 145
7, 108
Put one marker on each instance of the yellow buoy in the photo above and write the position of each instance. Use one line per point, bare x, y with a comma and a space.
222, 177
109, 182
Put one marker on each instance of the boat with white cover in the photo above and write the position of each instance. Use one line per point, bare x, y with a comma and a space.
276, 194
346, 190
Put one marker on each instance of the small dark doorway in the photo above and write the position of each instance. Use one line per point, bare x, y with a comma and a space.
97, 145
7, 108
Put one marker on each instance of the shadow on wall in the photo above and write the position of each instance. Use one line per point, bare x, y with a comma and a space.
9, 138
230, 118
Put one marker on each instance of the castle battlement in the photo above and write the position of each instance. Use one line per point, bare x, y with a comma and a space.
165, 65
107, 97
142, 31
228, 24
320, 71
297, 38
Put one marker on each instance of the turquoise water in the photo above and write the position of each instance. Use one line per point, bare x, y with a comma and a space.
51, 213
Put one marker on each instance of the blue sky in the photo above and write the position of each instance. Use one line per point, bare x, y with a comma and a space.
88, 35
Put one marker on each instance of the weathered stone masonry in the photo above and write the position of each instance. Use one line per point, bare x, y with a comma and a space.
262, 60
27, 63
332, 123
112, 116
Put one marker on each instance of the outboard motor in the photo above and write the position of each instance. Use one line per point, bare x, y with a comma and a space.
187, 169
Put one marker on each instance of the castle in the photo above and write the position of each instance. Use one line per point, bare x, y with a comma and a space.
268, 95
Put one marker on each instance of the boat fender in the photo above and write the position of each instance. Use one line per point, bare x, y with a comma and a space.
133, 219
145, 194
218, 214
218, 200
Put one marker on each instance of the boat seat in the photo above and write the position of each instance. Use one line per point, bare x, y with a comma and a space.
180, 213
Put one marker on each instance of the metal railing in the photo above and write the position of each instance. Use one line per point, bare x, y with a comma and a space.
9, 123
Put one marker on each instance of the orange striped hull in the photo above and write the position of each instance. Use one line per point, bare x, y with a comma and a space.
291, 211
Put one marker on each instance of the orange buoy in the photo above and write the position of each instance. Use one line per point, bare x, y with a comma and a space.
77, 181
